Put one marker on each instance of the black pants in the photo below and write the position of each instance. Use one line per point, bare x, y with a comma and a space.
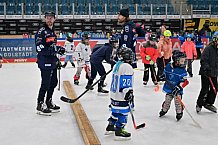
189, 66
97, 67
207, 95
146, 73
49, 81
161, 63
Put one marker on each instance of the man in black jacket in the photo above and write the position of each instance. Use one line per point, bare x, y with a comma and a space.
99, 54
209, 73
48, 63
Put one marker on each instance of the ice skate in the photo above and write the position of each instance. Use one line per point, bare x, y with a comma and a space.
76, 82
162, 113
145, 83
102, 91
121, 134
179, 116
155, 83
89, 87
198, 108
210, 107
54, 108
110, 129
42, 109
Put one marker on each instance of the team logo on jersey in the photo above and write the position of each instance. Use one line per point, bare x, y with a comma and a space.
50, 39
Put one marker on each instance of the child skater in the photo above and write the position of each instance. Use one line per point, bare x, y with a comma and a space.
121, 94
190, 50
149, 54
82, 54
69, 46
175, 80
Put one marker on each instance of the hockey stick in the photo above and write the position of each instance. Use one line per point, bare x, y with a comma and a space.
157, 87
140, 69
214, 89
188, 112
133, 120
180, 101
68, 100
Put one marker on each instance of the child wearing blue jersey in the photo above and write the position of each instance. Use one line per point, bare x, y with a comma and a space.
121, 93
175, 80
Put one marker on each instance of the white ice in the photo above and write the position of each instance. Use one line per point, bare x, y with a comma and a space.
20, 125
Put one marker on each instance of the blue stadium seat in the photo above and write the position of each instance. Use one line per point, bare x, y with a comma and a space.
10, 10
1, 8
132, 10
65, 10
29, 7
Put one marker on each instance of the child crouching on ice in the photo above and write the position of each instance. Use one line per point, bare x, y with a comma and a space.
121, 94
175, 80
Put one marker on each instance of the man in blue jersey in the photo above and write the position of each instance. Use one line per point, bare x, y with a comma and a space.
106, 52
128, 32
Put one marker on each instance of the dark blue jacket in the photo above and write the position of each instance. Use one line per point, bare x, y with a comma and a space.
102, 53
127, 37
45, 40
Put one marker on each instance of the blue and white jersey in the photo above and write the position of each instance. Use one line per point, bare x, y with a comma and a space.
174, 76
122, 82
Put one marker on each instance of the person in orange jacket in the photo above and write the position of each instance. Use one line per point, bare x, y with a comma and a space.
190, 50
164, 48
149, 55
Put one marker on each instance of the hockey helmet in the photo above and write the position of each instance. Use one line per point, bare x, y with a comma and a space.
85, 35
152, 37
215, 36
179, 58
167, 33
189, 36
125, 54
69, 35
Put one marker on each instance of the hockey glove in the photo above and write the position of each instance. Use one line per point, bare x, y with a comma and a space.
129, 95
60, 50
176, 89
151, 62
147, 57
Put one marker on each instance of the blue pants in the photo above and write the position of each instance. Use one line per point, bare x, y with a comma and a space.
118, 119
68, 58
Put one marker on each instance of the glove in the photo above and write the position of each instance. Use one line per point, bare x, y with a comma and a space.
176, 89
59, 65
151, 62
60, 50
147, 57
129, 95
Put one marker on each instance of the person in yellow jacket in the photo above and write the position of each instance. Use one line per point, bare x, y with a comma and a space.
164, 48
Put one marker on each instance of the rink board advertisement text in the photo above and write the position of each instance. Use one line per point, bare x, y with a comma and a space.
23, 50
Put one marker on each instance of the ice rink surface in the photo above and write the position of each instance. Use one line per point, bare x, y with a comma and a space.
20, 125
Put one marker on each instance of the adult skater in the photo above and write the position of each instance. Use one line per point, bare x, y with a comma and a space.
128, 32
106, 52
208, 71
45, 40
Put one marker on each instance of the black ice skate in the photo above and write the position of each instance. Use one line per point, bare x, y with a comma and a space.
162, 113
210, 107
54, 108
198, 108
121, 134
110, 129
179, 116
155, 83
145, 83
64, 65
89, 87
76, 82
42, 109
73, 65
101, 90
